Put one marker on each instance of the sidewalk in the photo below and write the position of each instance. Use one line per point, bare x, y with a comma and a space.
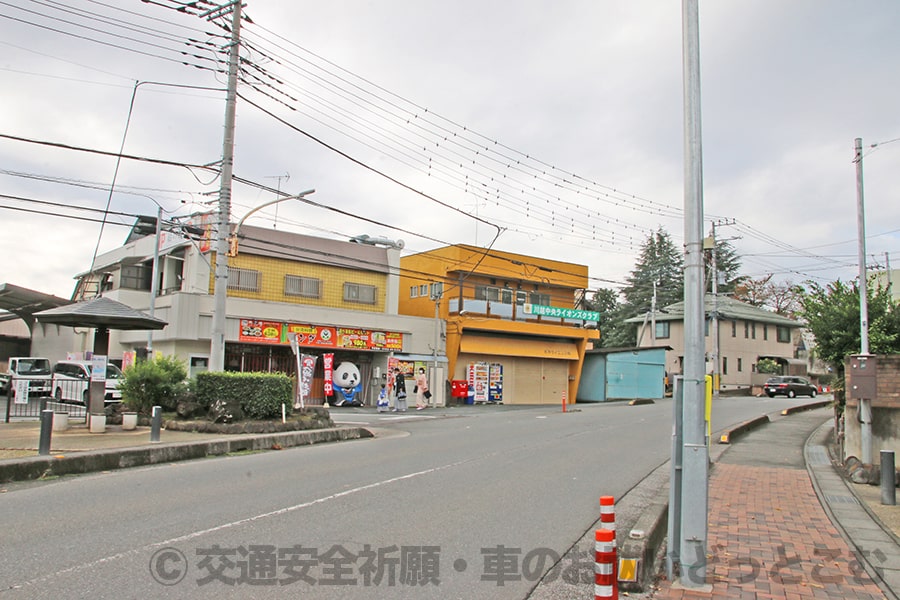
783, 522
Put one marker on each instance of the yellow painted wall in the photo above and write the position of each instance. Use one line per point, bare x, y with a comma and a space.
273, 270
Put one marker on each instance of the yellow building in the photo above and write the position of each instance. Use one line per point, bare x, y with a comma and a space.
514, 330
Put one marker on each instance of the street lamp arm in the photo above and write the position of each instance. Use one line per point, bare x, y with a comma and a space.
237, 228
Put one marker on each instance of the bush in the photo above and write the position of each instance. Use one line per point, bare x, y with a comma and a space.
768, 365
158, 382
260, 395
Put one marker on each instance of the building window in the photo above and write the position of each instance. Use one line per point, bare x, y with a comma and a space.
724, 365
437, 290
307, 287
746, 329
136, 277
245, 280
753, 330
765, 332
423, 290
734, 328
706, 327
413, 291
740, 365
357, 292
783, 334
541, 299
484, 292
521, 297
662, 330
506, 296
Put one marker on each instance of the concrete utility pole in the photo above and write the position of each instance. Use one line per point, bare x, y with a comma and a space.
714, 314
695, 454
217, 341
865, 405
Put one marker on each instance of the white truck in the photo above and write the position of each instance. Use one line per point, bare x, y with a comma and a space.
31, 373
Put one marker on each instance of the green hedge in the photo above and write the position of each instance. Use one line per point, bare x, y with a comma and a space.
260, 395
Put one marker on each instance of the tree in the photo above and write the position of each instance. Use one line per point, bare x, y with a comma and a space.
728, 264
662, 263
614, 331
783, 298
832, 315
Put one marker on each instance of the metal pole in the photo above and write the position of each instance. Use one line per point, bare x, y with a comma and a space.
675, 476
155, 423
434, 350
46, 429
217, 341
153, 280
865, 407
714, 316
888, 478
695, 455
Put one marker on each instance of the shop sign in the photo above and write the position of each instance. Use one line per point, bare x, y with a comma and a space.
313, 335
318, 336
260, 332
563, 313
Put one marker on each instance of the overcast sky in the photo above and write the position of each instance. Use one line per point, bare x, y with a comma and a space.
558, 125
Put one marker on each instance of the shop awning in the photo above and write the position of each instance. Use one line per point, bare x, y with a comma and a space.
510, 346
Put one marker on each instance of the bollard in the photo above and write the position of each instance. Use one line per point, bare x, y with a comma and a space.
605, 585
155, 423
564, 402
888, 478
46, 429
608, 514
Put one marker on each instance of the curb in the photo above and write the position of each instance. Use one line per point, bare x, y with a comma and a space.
743, 428
814, 405
37, 467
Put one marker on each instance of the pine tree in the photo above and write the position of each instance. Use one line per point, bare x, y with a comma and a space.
661, 262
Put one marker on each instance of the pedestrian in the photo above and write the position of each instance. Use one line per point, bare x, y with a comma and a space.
421, 389
399, 391
383, 399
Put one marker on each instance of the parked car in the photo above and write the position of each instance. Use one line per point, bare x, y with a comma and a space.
789, 386
71, 381
34, 370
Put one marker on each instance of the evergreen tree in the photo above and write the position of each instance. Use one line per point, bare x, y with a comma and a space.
614, 331
728, 264
662, 262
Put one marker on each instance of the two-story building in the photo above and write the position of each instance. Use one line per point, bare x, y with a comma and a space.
514, 329
746, 334
334, 297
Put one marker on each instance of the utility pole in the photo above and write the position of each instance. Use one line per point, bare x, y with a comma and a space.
865, 404
714, 315
695, 453
154, 279
217, 337
653, 316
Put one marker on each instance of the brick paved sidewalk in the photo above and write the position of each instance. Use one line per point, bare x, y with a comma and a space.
769, 537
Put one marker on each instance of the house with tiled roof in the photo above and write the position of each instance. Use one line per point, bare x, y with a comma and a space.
746, 335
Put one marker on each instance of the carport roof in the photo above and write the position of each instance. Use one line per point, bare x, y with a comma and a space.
23, 302
102, 313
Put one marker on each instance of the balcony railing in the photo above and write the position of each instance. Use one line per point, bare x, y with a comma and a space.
508, 312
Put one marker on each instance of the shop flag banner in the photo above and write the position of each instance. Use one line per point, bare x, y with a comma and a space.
307, 369
328, 363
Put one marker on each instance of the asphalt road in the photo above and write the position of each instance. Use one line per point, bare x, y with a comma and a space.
467, 507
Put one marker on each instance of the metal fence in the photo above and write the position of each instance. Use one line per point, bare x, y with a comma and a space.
58, 396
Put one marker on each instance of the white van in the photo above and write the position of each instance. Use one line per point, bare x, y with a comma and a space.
34, 370
72, 379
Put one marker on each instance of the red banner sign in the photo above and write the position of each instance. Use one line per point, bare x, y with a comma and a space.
328, 363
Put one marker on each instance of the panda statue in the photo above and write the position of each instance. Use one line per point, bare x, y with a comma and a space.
348, 385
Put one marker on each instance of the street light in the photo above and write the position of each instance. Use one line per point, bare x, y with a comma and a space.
223, 250
233, 240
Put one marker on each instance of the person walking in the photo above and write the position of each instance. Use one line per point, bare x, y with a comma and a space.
399, 391
421, 390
